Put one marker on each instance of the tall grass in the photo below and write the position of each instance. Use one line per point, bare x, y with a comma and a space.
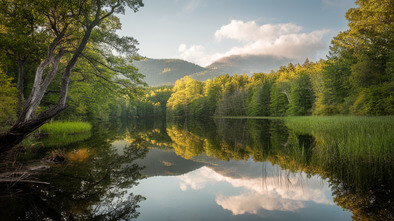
72, 127
367, 139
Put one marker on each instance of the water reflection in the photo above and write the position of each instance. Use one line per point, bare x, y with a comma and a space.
361, 182
276, 190
221, 169
92, 184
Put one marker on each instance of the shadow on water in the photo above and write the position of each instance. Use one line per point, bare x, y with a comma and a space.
93, 184
96, 180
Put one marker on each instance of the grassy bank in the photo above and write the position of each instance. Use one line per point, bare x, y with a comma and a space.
71, 127
348, 137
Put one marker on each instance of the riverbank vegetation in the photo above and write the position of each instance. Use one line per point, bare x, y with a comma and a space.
65, 127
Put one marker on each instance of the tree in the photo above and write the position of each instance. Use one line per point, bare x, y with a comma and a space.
69, 24
366, 50
301, 96
260, 101
19, 38
186, 90
279, 100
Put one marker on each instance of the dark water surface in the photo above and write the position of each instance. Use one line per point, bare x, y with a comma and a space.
221, 169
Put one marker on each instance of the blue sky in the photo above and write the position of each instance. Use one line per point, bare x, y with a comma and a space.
202, 31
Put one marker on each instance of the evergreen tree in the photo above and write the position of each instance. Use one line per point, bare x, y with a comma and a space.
301, 96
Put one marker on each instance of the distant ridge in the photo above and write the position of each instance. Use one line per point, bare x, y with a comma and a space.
167, 71
248, 64
241, 64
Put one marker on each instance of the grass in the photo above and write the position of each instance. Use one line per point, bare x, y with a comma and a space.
71, 127
366, 138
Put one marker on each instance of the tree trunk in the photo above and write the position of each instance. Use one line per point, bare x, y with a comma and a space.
20, 84
20, 130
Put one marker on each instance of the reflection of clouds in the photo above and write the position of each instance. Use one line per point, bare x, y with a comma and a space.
251, 203
277, 190
198, 179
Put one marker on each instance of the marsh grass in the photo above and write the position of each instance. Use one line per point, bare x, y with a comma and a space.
352, 140
358, 135
72, 127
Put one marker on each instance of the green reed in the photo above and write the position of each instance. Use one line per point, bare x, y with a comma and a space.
71, 127
366, 138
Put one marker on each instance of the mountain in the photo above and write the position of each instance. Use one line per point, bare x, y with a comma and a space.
240, 64
165, 71
248, 64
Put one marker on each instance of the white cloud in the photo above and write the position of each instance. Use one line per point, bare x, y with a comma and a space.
182, 48
251, 31
284, 40
197, 54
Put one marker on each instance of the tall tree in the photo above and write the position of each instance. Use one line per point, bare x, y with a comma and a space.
20, 38
301, 96
366, 47
186, 90
70, 25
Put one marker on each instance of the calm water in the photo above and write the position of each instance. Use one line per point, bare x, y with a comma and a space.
222, 169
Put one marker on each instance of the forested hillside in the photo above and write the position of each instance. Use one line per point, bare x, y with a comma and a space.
241, 64
165, 71
159, 72
357, 78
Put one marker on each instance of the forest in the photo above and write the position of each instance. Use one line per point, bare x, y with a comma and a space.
355, 79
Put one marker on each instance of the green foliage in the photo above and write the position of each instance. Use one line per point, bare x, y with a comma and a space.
152, 104
259, 104
301, 96
58, 127
186, 90
8, 100
375, 100
279, 101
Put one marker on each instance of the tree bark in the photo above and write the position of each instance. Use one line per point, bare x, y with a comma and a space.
20, 84
20, 130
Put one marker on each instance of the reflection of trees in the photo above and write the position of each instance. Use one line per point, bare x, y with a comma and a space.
371, 200
97, 188
151, 133
230, 139
95, 184
186, 144
361, 183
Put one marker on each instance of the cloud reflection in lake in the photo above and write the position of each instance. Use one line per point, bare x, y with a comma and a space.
273, 190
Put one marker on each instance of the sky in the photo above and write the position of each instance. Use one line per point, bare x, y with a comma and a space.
202, 31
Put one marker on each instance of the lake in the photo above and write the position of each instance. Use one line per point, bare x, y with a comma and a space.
338, 168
